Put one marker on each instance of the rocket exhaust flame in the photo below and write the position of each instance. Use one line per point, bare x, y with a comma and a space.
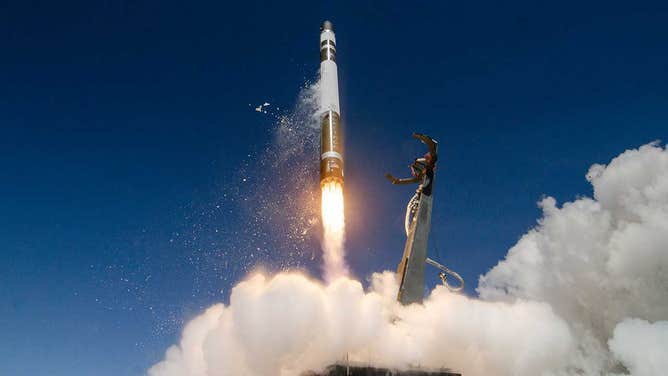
333, 223
332, 206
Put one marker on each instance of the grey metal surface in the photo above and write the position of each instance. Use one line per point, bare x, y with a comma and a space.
411, 267
357, 370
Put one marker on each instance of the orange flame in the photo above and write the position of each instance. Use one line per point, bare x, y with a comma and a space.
333, 221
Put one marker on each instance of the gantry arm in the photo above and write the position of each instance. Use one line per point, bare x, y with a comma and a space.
432, 144
402, 181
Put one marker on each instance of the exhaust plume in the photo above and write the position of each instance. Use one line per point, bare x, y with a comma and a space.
333, 223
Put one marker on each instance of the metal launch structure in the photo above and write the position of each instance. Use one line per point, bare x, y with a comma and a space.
417, 226
360, 370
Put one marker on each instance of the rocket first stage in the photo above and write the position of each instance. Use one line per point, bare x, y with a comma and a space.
331, 138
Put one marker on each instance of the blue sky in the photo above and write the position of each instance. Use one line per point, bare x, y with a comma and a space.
123, 124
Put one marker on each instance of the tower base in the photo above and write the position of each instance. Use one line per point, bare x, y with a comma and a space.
349, 370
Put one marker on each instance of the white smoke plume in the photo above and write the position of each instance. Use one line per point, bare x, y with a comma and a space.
583, 293
597, 261
288, 324
641, 346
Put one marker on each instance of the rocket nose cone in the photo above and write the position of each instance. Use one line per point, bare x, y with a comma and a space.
327, 25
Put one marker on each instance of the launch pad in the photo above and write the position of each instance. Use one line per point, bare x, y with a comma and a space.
358, 370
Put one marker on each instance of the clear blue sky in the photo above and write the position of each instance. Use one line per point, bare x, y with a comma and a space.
121, 121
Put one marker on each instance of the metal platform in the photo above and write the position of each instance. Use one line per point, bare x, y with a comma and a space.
346, 370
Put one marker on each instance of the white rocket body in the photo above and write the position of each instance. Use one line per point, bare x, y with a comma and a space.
329, 81
331, 137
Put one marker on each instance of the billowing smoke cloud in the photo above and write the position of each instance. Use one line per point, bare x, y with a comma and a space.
584, 293
288, 324
597, 261
641, 346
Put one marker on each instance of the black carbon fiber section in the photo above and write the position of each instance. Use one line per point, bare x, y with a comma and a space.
327, 53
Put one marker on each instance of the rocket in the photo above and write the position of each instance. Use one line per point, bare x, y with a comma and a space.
331, 138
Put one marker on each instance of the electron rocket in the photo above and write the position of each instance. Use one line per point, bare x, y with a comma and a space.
331, 138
